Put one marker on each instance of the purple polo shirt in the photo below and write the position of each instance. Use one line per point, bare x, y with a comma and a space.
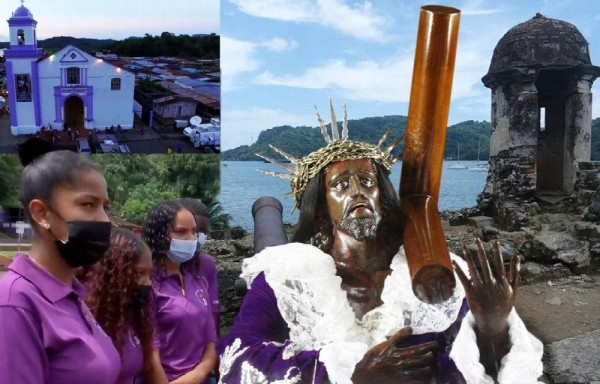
47, 332
184, 321
132, 358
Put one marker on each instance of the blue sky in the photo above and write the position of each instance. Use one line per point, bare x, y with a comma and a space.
116, 19
281, 57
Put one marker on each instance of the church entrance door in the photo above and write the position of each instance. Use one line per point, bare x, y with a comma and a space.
74, 112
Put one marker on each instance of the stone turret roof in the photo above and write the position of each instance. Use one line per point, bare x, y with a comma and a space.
537, 44
540, 42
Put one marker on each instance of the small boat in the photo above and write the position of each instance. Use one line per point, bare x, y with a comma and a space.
480, 167
458, 164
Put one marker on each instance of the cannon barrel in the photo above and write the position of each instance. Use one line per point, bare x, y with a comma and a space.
268, 230
268, 223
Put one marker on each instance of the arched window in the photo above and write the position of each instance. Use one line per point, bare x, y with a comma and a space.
20, 37
115, 84
73, 75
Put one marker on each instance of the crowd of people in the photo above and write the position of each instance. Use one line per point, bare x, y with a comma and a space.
95, 304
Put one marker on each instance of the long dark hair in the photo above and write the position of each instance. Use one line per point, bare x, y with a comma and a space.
155, 232
197, 207
112, 284
315, 226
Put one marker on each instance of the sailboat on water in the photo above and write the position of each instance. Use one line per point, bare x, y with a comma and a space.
480, 167
458, 164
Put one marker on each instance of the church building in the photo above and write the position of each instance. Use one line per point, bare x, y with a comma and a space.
68, 88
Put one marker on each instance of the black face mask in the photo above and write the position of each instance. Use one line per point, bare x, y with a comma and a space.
141, 296
87, 242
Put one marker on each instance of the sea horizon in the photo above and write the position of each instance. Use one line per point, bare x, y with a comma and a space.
242, 184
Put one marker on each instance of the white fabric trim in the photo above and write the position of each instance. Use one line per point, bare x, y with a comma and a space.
341, 359
523, 363
401, 308
315, 308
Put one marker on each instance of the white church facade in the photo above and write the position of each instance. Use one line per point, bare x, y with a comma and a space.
68, 88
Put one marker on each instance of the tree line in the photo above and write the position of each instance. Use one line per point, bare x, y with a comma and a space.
167, 44
205, 47
137, 182
299, 141
473, 136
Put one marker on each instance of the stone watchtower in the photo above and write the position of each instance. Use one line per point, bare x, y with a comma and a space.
541, 78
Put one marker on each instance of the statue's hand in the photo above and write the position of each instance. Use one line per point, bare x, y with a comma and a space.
491, 296
387, 363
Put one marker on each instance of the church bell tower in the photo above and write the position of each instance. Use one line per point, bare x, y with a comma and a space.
22, 72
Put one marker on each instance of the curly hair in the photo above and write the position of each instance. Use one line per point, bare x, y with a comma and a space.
155, 232
111, 286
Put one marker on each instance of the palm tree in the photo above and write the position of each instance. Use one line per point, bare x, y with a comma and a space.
218, 219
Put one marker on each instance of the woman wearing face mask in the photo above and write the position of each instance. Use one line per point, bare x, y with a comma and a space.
119, 291
47, 332
184, 322
207, 264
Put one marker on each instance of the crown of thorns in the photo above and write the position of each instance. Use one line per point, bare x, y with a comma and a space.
337, 149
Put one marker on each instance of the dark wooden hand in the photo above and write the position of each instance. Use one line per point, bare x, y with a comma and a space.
491, 298
387, 363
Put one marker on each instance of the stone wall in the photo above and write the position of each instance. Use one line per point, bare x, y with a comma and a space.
228, 255
560, 234
587, 188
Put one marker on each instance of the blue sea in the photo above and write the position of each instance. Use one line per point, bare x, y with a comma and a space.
242, 184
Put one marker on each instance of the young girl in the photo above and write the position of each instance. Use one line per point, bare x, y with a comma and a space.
208, 268
47, 332
182, 309
119, 291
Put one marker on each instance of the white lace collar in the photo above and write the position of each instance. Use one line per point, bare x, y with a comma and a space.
315, 307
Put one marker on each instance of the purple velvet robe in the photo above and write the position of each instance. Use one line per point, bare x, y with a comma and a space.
259, 323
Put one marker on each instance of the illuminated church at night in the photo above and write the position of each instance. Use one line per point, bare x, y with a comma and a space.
68, 88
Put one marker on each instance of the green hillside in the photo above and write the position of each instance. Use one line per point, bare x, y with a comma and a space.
300, 141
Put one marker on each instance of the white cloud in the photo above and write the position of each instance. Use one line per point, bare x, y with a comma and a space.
240, 56
359, 20
244, 126
365, 80
476, 7
237, 57
285, 10
277, 44
381, 81
388, 79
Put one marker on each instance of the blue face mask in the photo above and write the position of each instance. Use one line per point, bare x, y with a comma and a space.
181, 251
201, 239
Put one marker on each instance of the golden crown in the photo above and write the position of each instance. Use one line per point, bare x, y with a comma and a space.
337, 149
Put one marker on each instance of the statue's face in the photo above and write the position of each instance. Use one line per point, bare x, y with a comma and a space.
352, 197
